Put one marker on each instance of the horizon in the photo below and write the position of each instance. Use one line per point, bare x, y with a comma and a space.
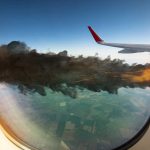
62, 25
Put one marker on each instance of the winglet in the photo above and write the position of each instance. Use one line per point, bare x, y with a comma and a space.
95, 36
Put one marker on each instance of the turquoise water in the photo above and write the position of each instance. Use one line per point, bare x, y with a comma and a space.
92, 121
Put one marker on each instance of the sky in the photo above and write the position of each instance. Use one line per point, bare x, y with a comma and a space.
56, 25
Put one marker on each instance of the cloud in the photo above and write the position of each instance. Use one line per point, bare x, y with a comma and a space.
14, 47
32, 71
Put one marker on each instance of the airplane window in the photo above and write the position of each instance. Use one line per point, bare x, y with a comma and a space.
74, 74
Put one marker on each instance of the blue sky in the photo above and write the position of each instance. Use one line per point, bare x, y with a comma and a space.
56, 25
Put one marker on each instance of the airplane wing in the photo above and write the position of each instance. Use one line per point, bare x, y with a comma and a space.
127, 48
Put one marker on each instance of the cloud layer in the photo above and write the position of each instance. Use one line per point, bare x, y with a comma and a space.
30, 70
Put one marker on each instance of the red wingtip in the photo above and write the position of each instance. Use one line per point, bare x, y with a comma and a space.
95, 36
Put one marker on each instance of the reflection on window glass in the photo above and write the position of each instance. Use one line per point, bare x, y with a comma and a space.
55, 101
